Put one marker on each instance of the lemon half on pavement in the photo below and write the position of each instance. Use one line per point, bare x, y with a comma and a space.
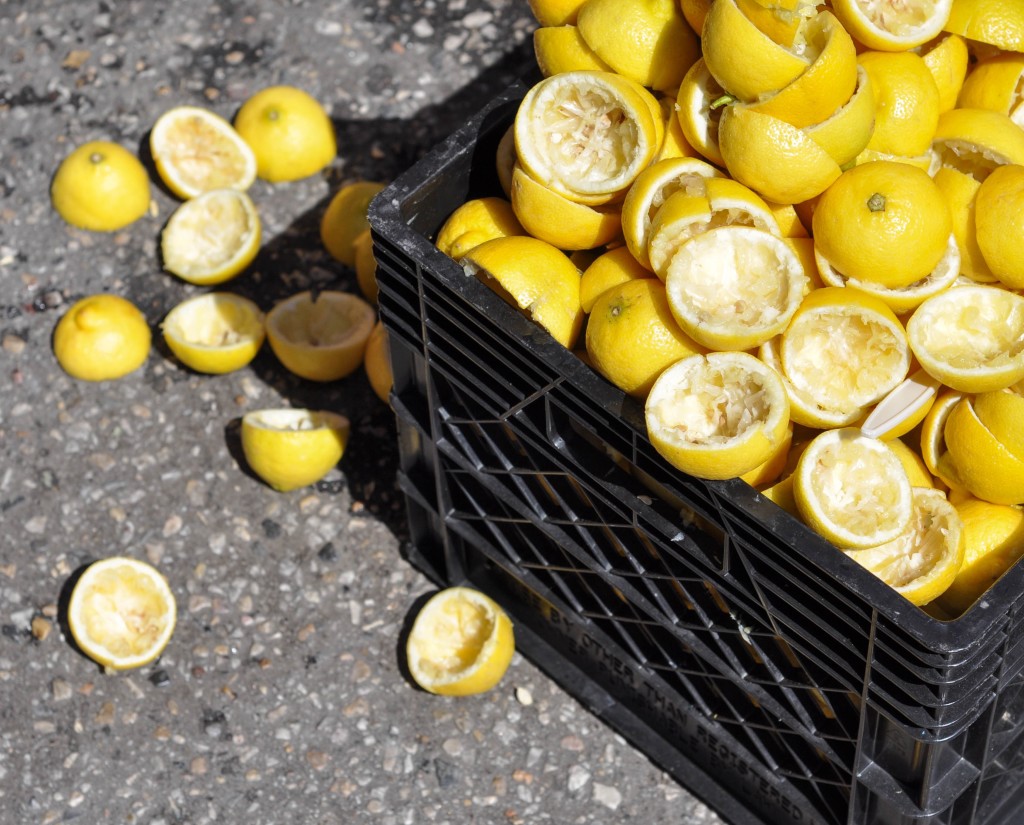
215, 333
290, 133
100, 186
121, 612
461, 643
212, 238
196, 150
101, 337
320, 337
292, 448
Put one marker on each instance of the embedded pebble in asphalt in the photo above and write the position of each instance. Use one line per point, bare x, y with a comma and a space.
281, 696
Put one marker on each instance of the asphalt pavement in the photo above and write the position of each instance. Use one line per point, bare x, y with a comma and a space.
281, 696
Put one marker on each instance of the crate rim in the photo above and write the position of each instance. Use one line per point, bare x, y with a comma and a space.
386, 219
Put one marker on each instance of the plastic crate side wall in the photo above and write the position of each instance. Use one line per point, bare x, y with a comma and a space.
954, 775
883, 807
912, 763
917, 709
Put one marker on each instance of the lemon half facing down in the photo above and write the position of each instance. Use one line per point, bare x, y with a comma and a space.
101, 337
289, 131
121, 612
461, 643
292, 448
100, 186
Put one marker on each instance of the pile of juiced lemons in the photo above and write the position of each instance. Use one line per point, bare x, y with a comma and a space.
793, 231
279, 134
122, 610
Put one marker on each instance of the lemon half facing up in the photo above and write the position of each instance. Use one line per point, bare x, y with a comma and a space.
101, 337
969, 337
856, 491
852, 490
923, 561
196, 150
211, 238
719, 415
121, 612
734, 287
460, 643
214, 333
587, 134
321, 337
292, 448
843, 351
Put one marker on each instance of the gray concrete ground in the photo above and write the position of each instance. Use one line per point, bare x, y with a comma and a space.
281, 697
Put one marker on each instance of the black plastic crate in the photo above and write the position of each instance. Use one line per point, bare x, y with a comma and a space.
696, 617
